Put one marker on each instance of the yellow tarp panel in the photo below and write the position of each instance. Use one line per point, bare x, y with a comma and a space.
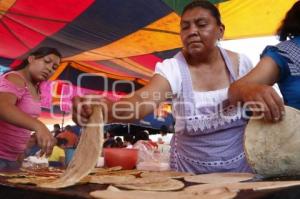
158, 36
90, 69
242, 19
253, 18
5, 5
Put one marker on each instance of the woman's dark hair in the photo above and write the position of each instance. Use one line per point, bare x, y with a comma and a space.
68, 128
61, 141
290, 26
164, 130
39, 53
206, 5
56, 126
141, 135
128, 138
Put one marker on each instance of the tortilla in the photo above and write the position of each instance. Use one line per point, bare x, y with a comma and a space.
25, 173
219, 178
45, 172
263, 185
108, 179
272, 149
153, 179
166, 174
86, 155
13, 175
108, 194
31, 180
112, 188
165, 185
96, 171
236, 187
117, 172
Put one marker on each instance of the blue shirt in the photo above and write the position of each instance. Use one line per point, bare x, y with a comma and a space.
287, 57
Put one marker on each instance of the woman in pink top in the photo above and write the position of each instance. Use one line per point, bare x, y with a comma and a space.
20, 106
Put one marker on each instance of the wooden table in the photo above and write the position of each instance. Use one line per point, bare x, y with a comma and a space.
13, 191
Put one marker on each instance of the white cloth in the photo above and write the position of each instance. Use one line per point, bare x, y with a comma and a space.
169, 69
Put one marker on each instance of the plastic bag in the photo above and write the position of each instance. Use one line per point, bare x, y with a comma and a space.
150, 157
35, 162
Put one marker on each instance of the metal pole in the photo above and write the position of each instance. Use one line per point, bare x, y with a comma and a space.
62, 121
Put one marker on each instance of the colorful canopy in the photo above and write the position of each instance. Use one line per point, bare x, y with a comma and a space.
115, 40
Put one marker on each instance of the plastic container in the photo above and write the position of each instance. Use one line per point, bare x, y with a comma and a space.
126, 158
153, 166
100, 162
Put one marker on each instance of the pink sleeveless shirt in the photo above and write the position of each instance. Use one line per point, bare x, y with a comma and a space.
13, 139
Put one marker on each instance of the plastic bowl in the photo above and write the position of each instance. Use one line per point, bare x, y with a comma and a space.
126, 158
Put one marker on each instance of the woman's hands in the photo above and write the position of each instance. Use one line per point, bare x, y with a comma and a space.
255, 91
262, 100
45, 140
129, 108
82, 107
